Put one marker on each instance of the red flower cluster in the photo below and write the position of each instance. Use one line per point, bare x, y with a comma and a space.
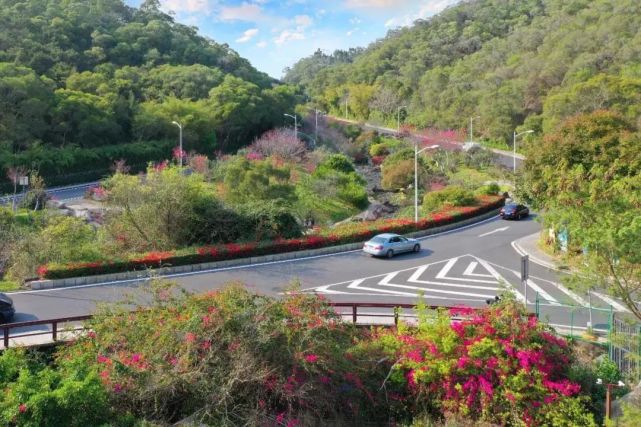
347, 233
493, 363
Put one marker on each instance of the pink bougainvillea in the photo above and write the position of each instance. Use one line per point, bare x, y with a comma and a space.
490, 364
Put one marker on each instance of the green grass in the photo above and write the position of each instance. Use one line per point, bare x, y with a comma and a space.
7, 286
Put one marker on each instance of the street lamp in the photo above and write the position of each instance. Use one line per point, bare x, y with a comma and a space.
398, 118
317, 112
416, 153
516, 135
472, 127
608, 400
295, 124
180, 141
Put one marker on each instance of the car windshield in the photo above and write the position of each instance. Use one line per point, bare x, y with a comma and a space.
510, 207
378, 240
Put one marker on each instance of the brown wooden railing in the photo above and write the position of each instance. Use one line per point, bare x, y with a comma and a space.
54, 324
53, 331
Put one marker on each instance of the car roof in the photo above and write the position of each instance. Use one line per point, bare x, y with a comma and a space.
512, 205
386, 235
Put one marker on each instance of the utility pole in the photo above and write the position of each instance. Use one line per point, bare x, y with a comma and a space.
525, 271
416, 153
180, 142
317, 112
472, 127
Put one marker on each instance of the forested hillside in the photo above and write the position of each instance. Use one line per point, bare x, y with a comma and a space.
514, 63
86, 82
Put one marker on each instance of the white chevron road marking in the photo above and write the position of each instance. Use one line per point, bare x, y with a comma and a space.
469, 271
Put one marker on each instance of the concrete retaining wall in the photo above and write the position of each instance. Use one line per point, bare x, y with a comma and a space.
194, 268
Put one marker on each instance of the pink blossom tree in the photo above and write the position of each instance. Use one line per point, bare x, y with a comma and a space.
279, 143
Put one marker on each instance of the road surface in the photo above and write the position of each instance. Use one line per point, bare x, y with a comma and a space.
466, 266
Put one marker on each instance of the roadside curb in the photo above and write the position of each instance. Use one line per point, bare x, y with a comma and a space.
195, 268
519, 249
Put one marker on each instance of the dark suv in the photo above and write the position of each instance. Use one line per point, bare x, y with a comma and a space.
514, 211
6, 308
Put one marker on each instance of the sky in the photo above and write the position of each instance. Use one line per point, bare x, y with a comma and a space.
274, 34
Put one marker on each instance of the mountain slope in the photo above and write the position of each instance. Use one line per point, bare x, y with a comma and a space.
515, 63
87, 82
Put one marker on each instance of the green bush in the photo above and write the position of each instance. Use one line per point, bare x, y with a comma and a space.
69, 393
449, 196
335, 162
489, 190
380, 149
398, 175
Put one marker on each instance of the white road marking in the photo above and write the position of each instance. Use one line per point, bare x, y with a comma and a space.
239, 267
469, 271
494, 231
446, 269
559, 286
617, 306
500, 279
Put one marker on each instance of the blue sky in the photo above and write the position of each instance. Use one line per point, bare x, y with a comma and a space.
275, 34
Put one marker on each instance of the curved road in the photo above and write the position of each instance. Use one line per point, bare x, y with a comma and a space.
465, 266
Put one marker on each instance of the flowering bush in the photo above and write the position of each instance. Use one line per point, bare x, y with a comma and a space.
346, 233
498, 365
231, 358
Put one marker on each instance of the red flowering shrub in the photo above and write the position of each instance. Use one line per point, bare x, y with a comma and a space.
232, 358
346, 233
497, 365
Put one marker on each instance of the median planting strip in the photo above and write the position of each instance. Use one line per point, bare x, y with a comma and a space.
330, 241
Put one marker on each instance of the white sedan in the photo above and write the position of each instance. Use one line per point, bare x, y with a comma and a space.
389, 244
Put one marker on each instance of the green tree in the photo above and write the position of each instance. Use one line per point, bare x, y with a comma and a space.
587, 176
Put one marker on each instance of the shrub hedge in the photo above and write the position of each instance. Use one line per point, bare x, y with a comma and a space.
347, 233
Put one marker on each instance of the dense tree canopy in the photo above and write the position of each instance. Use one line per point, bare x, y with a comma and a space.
587, 176
93, 74
514, 63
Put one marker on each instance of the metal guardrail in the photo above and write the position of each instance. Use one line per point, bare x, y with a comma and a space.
53, 331
54, 324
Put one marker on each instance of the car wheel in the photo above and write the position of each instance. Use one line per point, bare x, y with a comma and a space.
417, 247
390, 253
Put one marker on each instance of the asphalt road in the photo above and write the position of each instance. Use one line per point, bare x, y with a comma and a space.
503, 158
63, 194
466, 266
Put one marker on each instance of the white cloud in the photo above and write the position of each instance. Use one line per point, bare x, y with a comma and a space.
426, 9
189, 6
247, 35
303, 20
375, 4
289, 35
352, 31
261, 44
244, 12
355, 21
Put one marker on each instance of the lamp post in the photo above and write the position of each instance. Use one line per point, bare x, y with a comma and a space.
180, 141
317, 112
398, 118
416, 153
472, 127
516, 135
295, 124
608, 390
